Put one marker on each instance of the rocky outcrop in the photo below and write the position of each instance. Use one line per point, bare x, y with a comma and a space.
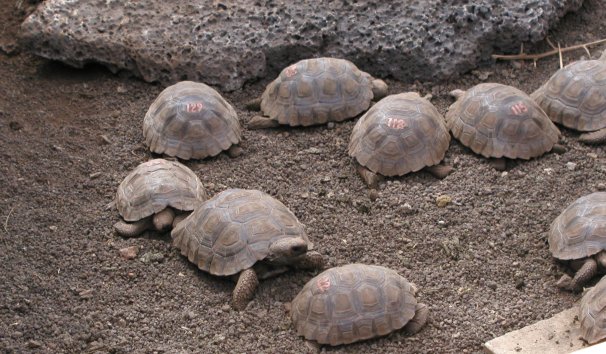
228, 43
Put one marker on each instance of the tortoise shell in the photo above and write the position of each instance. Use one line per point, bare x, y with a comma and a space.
593, 313
190, 120
580, 230
496, 120
575, 96
155, 185
316, 91
351, 303
402, 133
233, 230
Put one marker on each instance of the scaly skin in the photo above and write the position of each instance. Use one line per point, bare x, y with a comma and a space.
597, 137
310, 261
439, 171
245, 289
419, 320
586, 272
132, 229
259, 122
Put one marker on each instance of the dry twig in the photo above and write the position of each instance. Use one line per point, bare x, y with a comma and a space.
554, 51
6, 220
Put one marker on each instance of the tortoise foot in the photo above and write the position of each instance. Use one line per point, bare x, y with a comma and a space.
370, 178
564, 282
498, 164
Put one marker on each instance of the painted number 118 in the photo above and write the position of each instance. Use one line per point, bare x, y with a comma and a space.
396, 123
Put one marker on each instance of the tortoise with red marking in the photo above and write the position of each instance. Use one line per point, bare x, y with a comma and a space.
246, 234
355, 302
499, 121
575, 97
155, 196
578, 236
191, 120
401, 134
316, 91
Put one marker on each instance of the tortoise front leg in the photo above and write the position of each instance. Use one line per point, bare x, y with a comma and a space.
439, 171
586, 272
597, 137
418, 321
245, 289
370, 178
132, 229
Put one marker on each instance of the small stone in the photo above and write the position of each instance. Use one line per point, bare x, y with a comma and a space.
86, 294
504, 174
571, 166
520, 284
33, 344
330, 125
152, 257
548, 171
225, 308
304, 195
441, 222
15, 125
491, 284
53, 228
593, 155
131, 275
601, 186
313, 150
443, 200
104, 140
95, 175
121, 89
129, 252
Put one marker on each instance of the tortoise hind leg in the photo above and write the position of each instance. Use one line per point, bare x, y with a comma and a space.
259, 122
419, 320
439, 171
597, 137
245, 289
132, 229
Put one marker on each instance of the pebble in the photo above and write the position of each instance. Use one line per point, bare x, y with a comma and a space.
571, 166
443, 200
53, 228
129, 252
491, 284
373, 195
152, 257
330, 125
593, 155
601, 186
548, 171
121, 89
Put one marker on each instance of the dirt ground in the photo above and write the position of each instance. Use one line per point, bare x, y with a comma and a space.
482, 263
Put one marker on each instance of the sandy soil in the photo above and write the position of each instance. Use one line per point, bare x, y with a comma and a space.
482, 263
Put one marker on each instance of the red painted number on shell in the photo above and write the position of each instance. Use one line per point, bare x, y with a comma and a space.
519, 108
323, 283
396, 123
290, 71
194, 107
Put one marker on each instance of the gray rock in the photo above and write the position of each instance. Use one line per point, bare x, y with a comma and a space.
227, 44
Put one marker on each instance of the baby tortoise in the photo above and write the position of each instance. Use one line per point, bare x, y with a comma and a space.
190, 120
356, 302
316, 91
401, 134
153, 194
499, 121
578, 235
575, 97
248, 234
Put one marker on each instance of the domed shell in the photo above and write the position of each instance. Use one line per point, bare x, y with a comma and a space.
575, 96
190, 120
593, 313
155, 185
233, 230
580, 230
351, 303
316, 91
400, 134
496, 120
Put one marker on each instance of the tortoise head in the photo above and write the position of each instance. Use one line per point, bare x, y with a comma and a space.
285, 250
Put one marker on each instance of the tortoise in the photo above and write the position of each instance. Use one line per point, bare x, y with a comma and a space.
578, 235
355, 302
402, 133
593, 313
155, 196
246, 234
498, 121
190, 120
575, 97
316, 91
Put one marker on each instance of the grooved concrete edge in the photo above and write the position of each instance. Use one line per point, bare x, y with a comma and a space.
559, 334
